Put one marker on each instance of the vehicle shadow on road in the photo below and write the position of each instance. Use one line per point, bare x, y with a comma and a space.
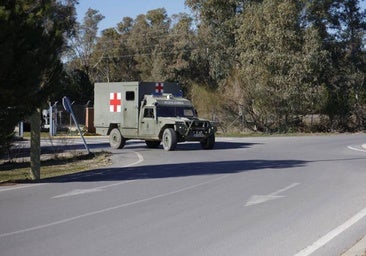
18, 152
177, 170
219, 145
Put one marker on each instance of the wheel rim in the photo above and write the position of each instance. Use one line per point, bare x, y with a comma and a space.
166, 140
115, 138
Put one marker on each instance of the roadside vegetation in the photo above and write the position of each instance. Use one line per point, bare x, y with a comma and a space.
270, 66
263, 66
54, 165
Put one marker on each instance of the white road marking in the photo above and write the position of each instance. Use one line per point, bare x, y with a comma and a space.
258, 199
111, 208
140, 159
332, 234
14, 187
77, 192
356, 149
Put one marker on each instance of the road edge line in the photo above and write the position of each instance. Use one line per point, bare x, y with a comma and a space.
332, 234
139, 156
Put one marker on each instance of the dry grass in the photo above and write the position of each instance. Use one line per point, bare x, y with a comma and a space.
58, 165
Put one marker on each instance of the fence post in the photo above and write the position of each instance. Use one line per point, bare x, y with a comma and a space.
21, 129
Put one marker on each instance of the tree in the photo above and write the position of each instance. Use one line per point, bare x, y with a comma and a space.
74, 84
152, 47
81, 45
147, 41
32, 36
182, 42
107, 56
348, 83
217, 22
342, 25
279, 62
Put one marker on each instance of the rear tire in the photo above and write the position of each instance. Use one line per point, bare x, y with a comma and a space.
169, 139
116, 139
209, 142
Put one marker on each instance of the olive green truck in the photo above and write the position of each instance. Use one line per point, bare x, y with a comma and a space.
150, 111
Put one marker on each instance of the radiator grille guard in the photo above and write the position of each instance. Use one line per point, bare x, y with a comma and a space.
195, 130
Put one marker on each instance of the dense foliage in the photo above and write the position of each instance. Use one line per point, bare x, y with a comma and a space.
32, 37
272, 65
267, 65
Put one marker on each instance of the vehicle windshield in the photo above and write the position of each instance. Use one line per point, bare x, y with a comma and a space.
174, 111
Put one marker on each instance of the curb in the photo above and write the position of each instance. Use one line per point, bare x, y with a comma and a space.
358, 249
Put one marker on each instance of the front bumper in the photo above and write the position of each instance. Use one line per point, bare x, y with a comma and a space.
195, 130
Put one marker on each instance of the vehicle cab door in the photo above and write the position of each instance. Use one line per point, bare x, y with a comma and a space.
148, 121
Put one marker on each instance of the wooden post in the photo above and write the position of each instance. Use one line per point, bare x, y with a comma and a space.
89, 120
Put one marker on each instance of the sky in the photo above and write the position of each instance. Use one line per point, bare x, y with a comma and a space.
115, 10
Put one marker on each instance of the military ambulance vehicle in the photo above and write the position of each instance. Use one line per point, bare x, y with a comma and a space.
150, 111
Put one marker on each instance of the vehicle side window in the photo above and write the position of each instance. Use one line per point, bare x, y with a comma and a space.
149, 112
130, 95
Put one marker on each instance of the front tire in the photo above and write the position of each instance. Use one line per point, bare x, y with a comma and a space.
116, 139
169, 139
209, 142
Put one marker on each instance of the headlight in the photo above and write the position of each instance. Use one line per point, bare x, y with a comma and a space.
180, 125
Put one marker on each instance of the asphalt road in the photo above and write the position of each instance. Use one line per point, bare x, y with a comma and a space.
249, 196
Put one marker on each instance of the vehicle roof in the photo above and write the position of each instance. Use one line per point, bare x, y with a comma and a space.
167, 100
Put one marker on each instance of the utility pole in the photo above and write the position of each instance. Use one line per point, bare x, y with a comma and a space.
35, 149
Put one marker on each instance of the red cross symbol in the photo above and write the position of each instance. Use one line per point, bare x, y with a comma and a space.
115, 102
159, 88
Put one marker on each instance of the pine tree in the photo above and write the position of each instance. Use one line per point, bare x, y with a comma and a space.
31, 40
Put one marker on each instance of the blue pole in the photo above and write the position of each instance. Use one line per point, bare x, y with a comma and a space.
67, 106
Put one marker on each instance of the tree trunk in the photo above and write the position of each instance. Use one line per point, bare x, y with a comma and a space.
35, 150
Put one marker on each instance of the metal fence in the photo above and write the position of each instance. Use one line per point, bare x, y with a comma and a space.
60, 121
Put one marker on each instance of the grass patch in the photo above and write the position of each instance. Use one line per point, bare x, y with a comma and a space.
46, 135
54, 167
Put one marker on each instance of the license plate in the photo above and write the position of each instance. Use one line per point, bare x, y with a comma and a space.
198, 134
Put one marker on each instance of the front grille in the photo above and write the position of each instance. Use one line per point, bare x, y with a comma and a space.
198, 125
